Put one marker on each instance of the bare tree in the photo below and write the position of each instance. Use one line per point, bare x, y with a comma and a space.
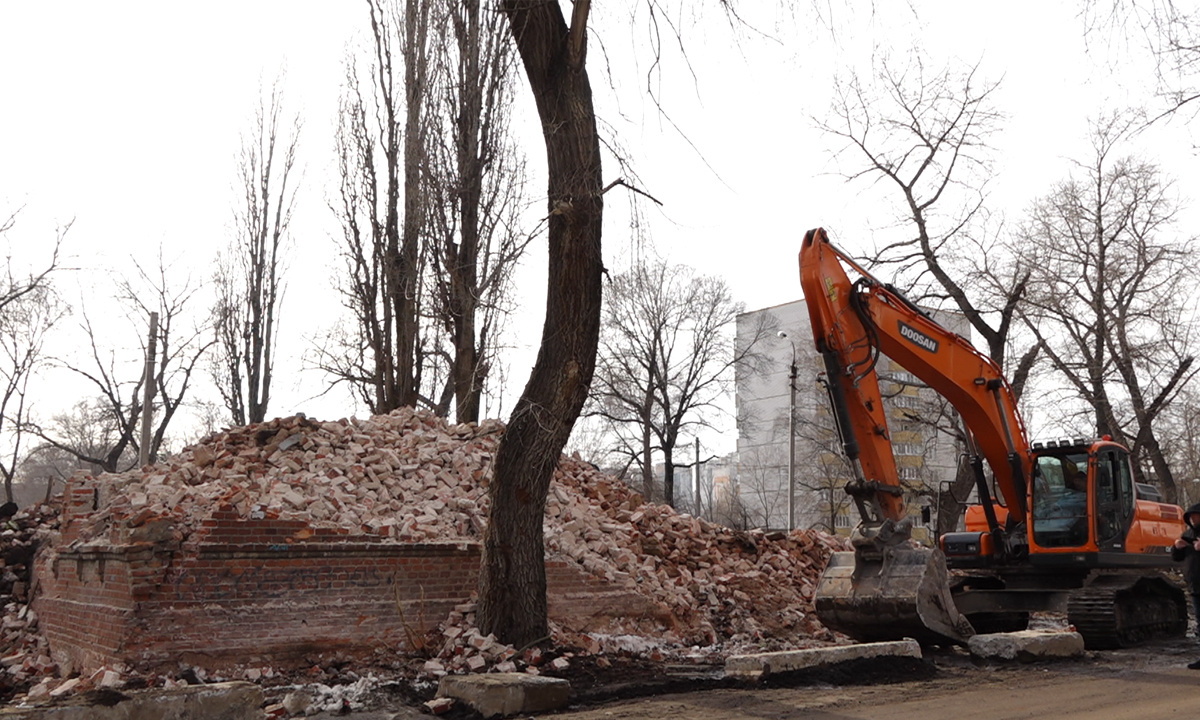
88, 429
118, 380
512, 587
24, 325
1169, 30
29, 309
622, 399
381, 147
475, 191
248, 278
596, 437
665, 358
14, 285
1112, 280
1179, 430
762, 484
512, 579
822, 470
42, 474
925, 134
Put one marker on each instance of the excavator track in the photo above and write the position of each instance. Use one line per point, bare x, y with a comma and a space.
1119, 610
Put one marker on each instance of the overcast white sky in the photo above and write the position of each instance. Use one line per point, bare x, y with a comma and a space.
126, 117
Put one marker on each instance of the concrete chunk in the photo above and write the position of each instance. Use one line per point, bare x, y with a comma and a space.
1026, 645
215, 701
762, 664
499, 694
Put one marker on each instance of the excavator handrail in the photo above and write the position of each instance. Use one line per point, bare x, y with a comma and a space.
854, 321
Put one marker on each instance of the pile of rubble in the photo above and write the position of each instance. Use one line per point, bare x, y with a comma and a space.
410, 477
721, 585
24, 653
406, 475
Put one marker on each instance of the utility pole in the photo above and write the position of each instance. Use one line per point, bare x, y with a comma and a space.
148, 392
696, 476
791, 468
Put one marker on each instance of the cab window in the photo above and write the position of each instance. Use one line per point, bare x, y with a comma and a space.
1060, 517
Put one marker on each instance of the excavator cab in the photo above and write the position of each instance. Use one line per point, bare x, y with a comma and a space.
1083, 497
1060, 501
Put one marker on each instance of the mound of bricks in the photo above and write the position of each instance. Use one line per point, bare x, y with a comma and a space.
409, 479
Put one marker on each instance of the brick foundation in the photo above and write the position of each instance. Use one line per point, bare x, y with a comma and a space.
272, 591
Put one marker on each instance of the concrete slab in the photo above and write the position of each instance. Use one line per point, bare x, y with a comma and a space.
1026, 645
499, 694
216, 701
762, 664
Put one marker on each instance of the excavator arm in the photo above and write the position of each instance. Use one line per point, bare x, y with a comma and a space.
887, 586
852, 323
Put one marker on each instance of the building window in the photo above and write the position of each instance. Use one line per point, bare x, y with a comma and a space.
906, 401
842, 521
908, 449
909, 473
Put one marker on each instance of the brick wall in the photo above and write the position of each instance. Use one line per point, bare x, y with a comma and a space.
270, 590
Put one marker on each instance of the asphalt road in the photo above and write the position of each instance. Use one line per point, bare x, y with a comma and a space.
1141, 684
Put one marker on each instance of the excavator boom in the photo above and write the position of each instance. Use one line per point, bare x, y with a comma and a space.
853, 322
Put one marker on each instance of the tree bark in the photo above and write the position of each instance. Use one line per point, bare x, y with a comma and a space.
647, 453
408, 296
464, 275
668, 478
512, 581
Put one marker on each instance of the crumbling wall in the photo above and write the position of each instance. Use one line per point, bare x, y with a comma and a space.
273, 589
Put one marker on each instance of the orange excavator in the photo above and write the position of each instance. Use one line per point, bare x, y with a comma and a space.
1059, 528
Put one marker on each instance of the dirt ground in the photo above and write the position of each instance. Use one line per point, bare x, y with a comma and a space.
1141, 683
1147, 682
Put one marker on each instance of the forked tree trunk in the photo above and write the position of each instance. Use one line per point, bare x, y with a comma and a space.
512, 579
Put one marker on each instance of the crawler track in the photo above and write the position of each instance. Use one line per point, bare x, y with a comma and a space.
1119, 610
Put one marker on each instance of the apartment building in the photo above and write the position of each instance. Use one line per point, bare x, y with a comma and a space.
926, 455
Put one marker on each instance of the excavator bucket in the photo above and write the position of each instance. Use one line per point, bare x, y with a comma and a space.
902, 592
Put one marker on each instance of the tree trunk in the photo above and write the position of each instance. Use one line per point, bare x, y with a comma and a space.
512, 578
668, 477
463, 274
647, 468
647, 447
1162, 469
949, 506
408, 297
